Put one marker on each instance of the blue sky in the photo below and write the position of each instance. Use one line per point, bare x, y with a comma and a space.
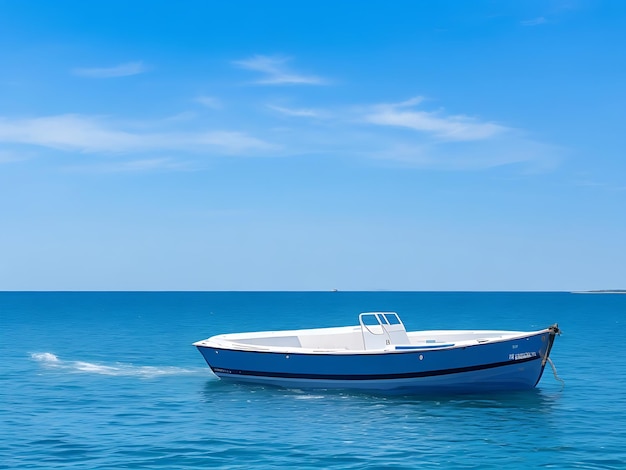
272, 145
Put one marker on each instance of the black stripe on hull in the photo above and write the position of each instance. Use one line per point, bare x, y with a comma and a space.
404, 375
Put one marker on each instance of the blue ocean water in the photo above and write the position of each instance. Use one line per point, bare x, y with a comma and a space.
111, 381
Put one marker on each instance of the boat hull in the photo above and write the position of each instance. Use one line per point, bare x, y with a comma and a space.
513, 364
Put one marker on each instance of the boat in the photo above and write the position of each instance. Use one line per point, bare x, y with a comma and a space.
379, 354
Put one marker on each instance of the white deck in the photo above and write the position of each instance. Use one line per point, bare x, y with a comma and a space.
351, 339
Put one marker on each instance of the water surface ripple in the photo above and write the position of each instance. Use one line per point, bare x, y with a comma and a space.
110, 380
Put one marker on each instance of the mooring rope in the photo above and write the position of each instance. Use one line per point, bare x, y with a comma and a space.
556, 376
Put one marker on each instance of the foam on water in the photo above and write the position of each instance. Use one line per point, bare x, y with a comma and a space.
50, 360
45, 357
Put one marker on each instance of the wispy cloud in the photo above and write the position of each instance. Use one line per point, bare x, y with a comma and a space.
398, 133
535, 157
303, 112
135, 166
7, 156
407, 103
276, 72
600, 185
183, 116
431, 140
122, 70
534, 22
209, 102
455, 127
230, 142
88, 134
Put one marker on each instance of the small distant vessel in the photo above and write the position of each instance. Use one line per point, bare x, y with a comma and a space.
380, 355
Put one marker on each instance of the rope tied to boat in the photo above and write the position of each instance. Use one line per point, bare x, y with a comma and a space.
555, 330
556, 375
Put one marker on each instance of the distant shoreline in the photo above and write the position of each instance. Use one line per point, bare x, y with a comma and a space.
608, 291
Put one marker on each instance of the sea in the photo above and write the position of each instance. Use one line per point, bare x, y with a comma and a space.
110, 380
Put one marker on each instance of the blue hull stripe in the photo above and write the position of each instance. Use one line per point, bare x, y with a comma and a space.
434, 346
404, 375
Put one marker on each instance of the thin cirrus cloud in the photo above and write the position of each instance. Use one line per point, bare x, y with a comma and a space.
275, 71
209, 102
451, 128
88, 134
135, 166
121, 70
7, 156
431, 139
302, 112
453, 142
536, 157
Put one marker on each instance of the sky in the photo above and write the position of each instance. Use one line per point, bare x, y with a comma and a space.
313, 145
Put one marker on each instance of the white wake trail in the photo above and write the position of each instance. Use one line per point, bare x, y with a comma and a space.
50, 360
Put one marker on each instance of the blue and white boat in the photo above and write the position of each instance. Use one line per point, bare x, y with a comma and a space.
380, 355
